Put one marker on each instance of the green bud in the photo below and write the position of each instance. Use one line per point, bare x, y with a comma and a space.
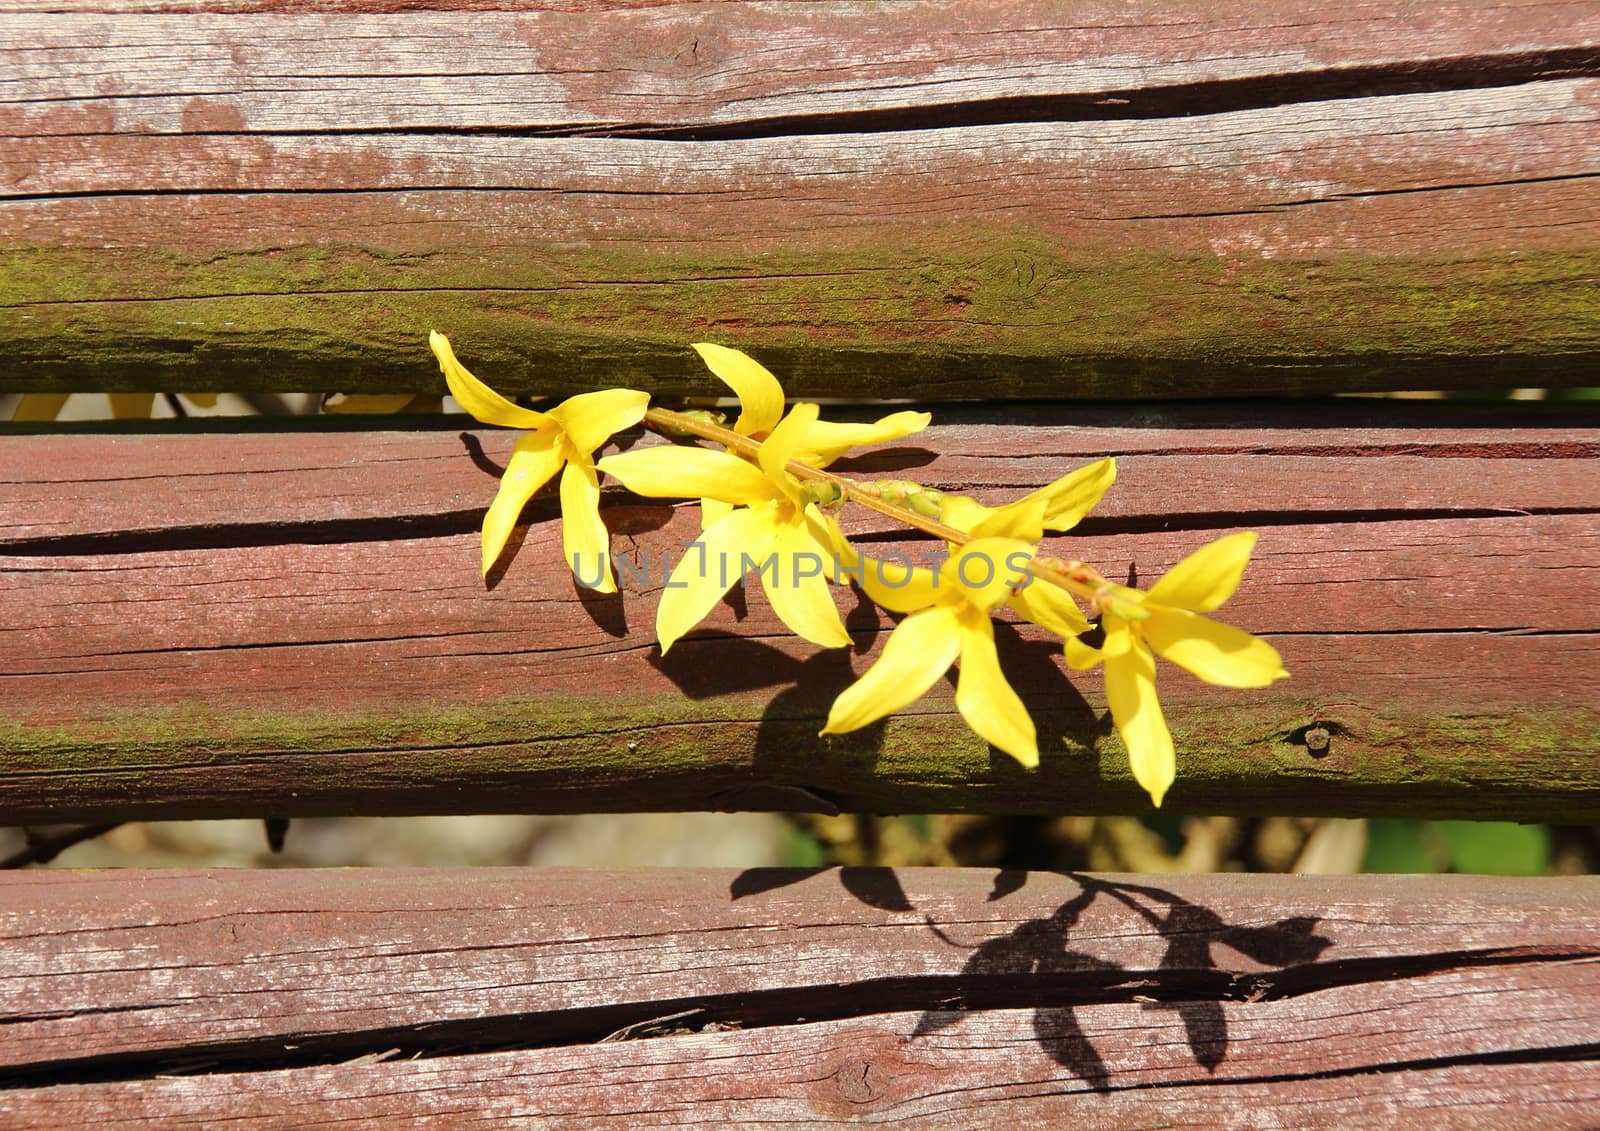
824, 492
926, 501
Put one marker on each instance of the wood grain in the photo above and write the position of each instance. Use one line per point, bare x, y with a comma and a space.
631, 67
1328, 459
797, 998
1083, 200
292, 624
819, 1075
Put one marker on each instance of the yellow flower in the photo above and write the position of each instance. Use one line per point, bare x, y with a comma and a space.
772, 530
1167, 619
948, 623
761, 401
1056, 506
1064, 503
761, 407
567, 435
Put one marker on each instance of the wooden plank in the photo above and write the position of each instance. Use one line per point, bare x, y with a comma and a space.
1286, 197
686, 65
797, 998
239, 631
820, 1075
1435, 459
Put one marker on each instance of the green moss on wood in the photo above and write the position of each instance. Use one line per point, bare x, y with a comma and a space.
572, 755
948, 311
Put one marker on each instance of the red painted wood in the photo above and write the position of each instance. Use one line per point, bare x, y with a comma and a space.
1156, 200
536, 65
1451, 999
410, 617
1337, 457
824, 1075
250, 628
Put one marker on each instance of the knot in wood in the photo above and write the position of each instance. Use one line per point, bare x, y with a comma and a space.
857, 1082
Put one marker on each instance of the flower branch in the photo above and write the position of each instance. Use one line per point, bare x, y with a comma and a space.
760, 507
1076, 577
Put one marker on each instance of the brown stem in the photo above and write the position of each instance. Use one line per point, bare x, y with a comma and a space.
1074, 577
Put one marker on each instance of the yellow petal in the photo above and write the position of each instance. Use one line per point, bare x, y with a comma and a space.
1119, 636
673, 472
983, 571
1023, 519
710, 567
1076, 493
1209, 576
477, 398
896, 585
1217, 653
1058, 506
760, 395
799, 592
590, 419
584, 540
1080, 656
1131, 692
827, 440
920, 650
963, 512
779, 448
535, 457
992, 709
893, 583
712, 511
824, 531
1049, 606
825, 528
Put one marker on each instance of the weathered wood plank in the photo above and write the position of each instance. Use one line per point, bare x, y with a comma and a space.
852, 995
1258, 463
1288, 198
822, 1075
246, 633
445, 65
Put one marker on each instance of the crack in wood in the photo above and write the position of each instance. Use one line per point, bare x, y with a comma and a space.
91, 1011
1178, 100
1281, 205
665, 1018
1544, 1055
454, 523
1266, 209
1181, 100
318, 532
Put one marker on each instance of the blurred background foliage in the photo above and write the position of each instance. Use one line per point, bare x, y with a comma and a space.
1154, 843
1198, 844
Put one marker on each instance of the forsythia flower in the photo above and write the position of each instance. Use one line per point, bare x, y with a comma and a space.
1056, 506
1065, 502
761, 407
949, 623
774, 529
567, 435
1167, 619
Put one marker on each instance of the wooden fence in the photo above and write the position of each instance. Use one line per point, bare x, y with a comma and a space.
1096, 222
